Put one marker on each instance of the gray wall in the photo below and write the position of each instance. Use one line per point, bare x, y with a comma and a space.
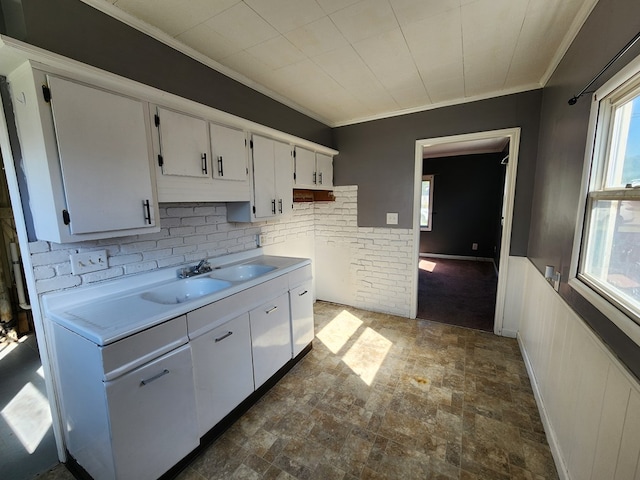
78, 31
563, 132
379, 156
467, 201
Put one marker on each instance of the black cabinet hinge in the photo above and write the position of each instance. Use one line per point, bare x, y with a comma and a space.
156, 120
294, 154
254, 209
46, 93
294, 175
65, 217
245, 142
160, 161
251, 144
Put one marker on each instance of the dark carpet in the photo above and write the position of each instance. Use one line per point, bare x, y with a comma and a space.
457, 292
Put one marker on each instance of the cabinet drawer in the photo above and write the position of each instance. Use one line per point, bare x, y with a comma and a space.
299, 276
131, 352
211, 316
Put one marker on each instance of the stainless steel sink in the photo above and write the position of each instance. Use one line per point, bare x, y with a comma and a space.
242, 272
185, 290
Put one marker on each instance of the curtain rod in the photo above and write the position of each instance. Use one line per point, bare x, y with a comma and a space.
574, 99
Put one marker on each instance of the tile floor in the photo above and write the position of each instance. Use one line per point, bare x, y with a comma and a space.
27, 445
383, 397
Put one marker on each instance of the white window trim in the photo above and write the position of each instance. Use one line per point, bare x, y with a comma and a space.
617, 317
430, 226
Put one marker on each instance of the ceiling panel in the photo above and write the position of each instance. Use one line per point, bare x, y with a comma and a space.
242, 26
346, 60
287, 15
317, 37
365, 19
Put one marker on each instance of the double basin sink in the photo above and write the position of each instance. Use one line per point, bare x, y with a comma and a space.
192, 288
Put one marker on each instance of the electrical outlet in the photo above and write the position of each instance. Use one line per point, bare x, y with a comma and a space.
88, 261
474, 246
392, 218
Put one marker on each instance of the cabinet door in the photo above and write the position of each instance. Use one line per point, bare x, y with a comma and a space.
283, 178
229, 151
223, 370
270, 338
324, 171
305, 167
104, 150
153, 416
302, 325
264, 177
184, 144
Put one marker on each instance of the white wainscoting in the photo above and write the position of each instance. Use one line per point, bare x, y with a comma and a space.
589, 402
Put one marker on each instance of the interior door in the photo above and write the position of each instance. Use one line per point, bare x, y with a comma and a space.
105, 157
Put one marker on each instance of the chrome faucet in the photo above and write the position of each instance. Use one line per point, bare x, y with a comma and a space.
202, 267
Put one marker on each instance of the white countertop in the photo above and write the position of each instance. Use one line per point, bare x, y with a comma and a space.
107, 312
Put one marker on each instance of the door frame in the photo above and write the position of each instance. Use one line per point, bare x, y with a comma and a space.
509, 197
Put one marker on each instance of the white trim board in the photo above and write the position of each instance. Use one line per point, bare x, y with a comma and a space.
509, 199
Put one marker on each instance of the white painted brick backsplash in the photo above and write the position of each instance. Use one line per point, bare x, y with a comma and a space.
380, 258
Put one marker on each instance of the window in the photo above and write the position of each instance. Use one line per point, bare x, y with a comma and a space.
609, 262
426, 203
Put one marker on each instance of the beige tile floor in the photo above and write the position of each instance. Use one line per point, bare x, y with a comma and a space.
384, 397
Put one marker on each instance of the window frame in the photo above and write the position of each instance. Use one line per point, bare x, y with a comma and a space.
622, 86
430, 179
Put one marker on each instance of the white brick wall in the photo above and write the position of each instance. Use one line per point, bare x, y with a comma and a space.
379, 271
372, 268
190, 232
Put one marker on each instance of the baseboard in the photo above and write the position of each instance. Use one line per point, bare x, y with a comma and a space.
456, 257
561, 467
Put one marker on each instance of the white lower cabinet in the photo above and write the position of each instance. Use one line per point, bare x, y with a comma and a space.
223, 370
302, 326
149, 408
270, 338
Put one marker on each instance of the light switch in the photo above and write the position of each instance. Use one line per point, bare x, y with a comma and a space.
392, 218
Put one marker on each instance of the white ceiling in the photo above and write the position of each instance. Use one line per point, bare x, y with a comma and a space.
344, 61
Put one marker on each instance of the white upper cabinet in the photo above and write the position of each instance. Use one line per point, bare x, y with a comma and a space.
196, 159
229, 150
87, 159
324, 171
305, 168
313, 170
272, 169
184, 144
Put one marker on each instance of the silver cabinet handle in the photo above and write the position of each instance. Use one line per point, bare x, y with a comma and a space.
320, 178
155, 377
303, 293
272, 309
280, 205
315, 176
219, 339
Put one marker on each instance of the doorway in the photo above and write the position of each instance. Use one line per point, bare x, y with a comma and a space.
506, 140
